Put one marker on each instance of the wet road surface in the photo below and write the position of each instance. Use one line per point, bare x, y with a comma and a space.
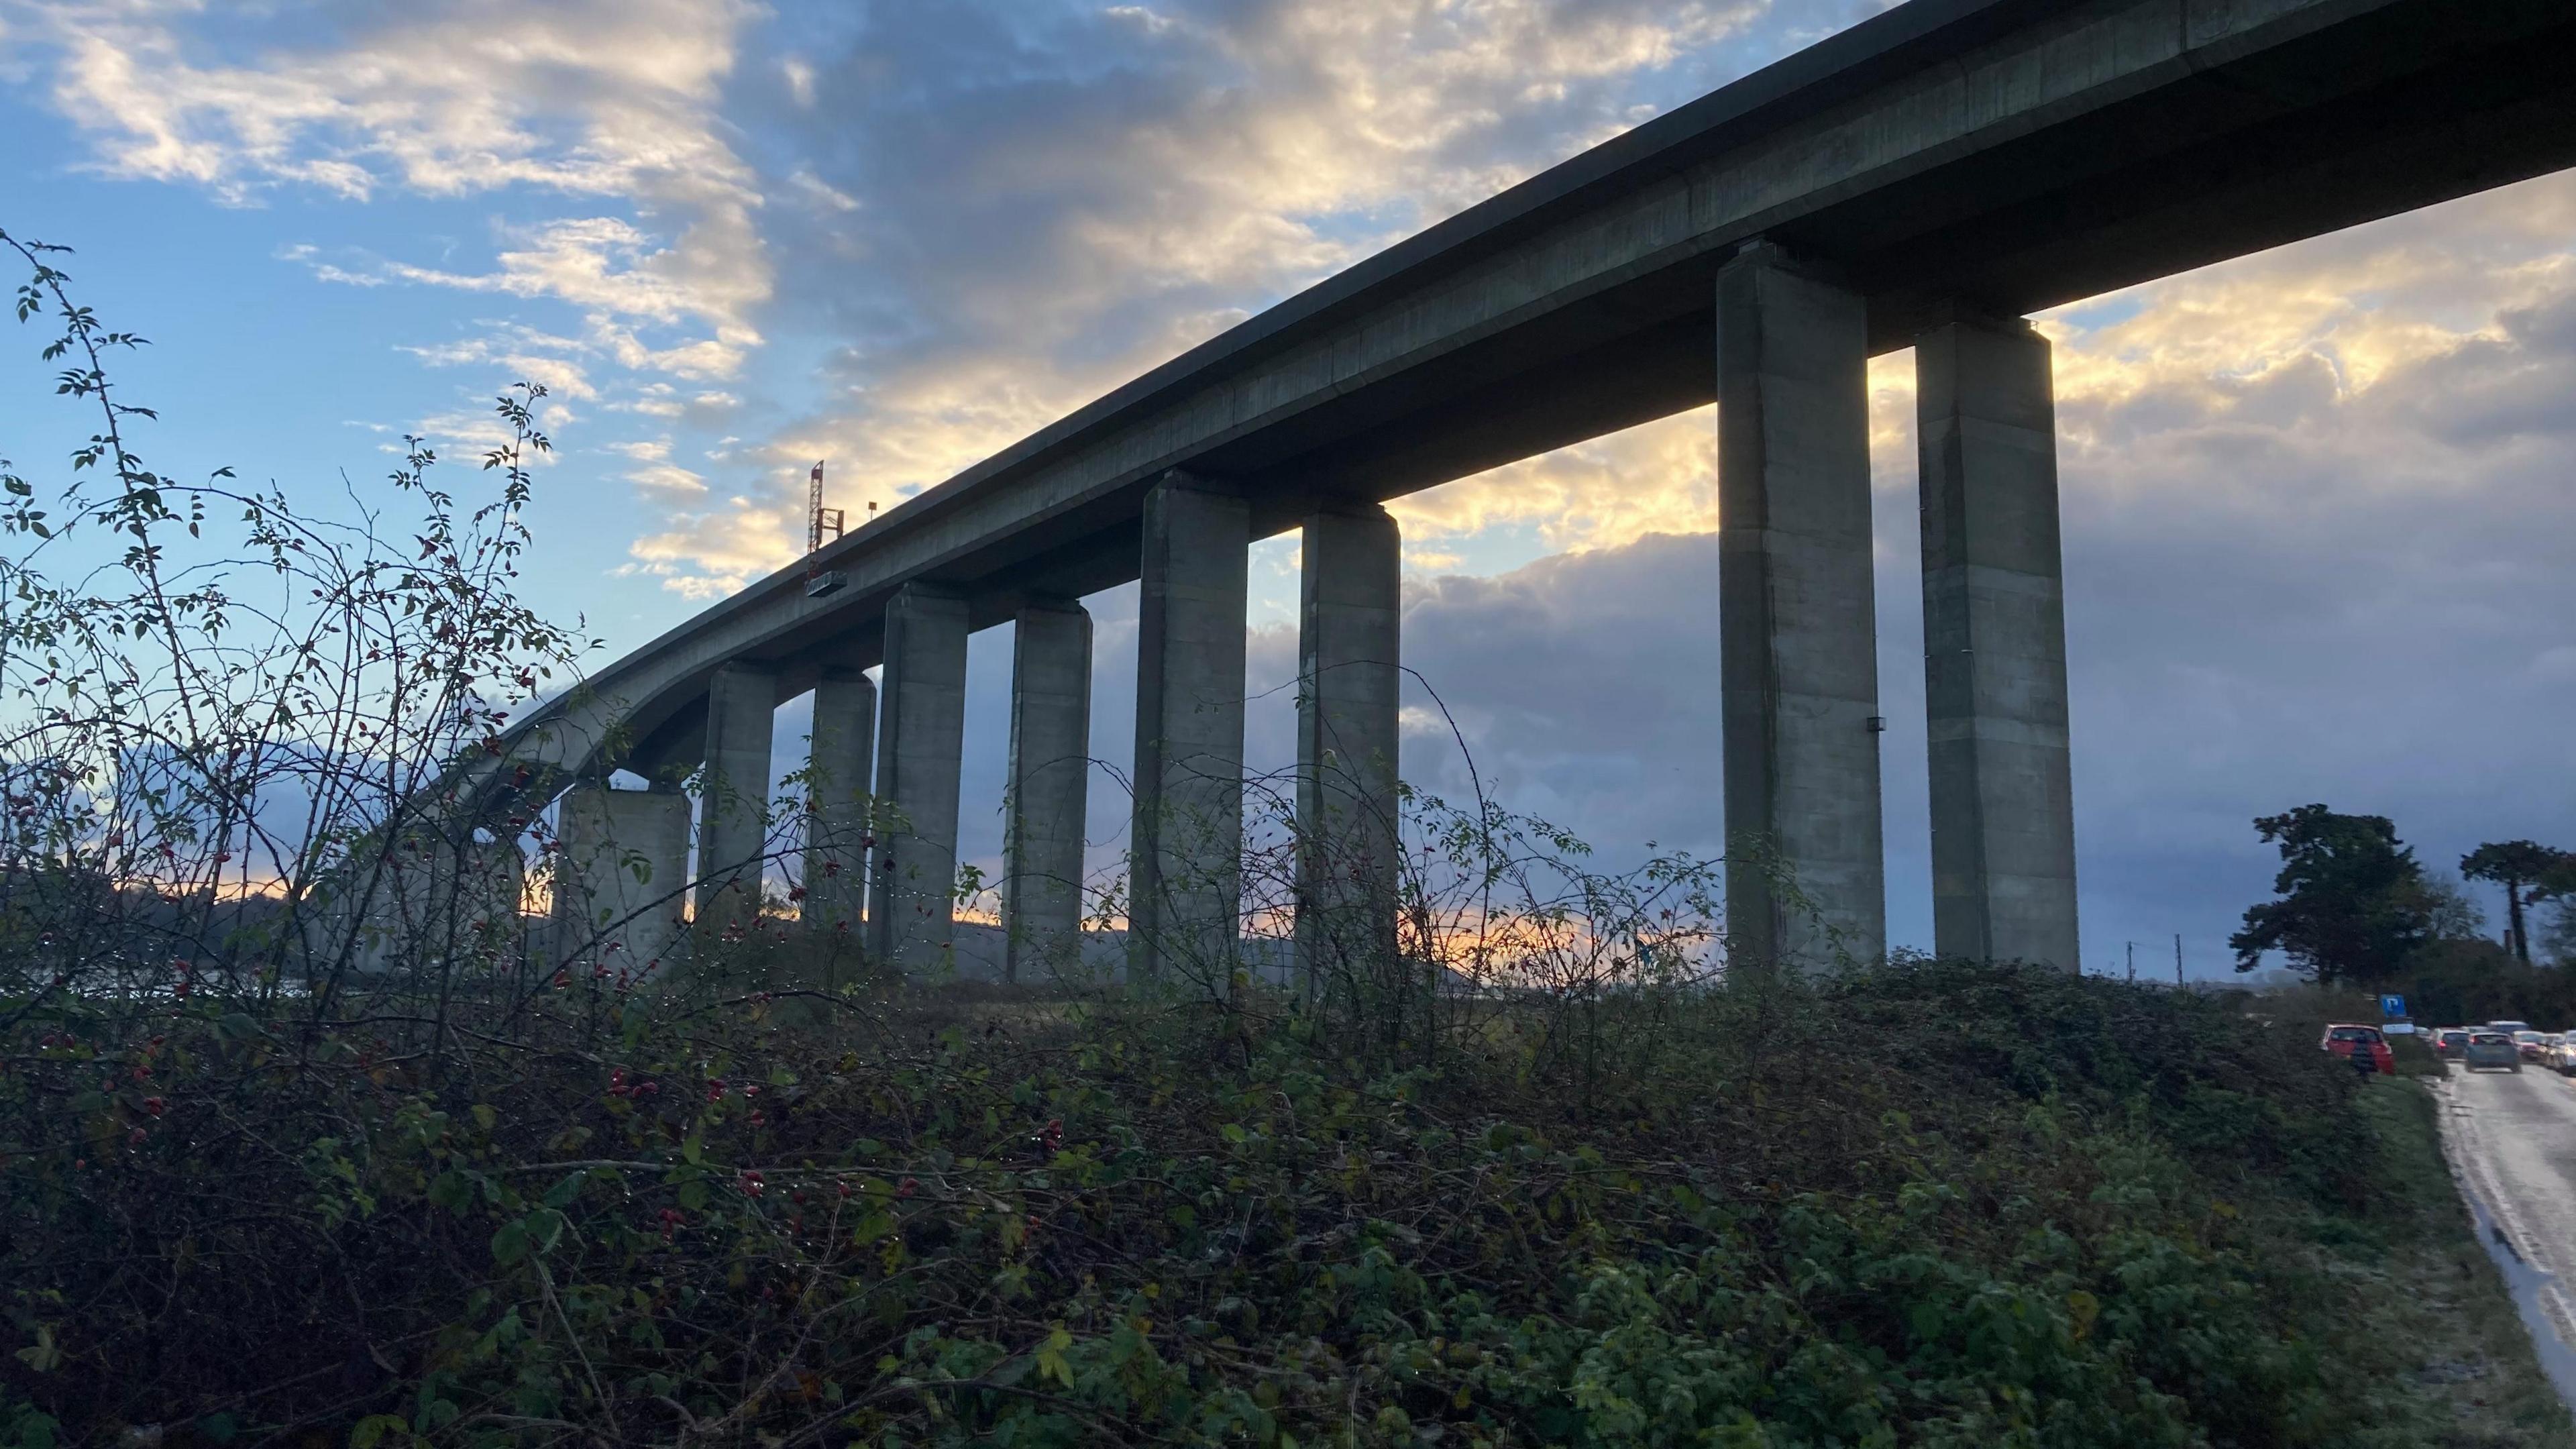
2512, 1139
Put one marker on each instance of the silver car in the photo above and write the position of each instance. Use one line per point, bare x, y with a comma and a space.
2491, 1049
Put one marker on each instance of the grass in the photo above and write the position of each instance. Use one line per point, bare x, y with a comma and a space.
2465, 1354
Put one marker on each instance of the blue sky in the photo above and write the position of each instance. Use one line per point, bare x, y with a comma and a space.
2320, 527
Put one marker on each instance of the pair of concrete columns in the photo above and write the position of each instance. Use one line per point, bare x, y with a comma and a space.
912, 865
1185, 889
1797, 624
623, 886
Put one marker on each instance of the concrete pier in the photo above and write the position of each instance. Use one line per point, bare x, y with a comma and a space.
427, 904
619, 874
921, 726
1048, 791
842, 769
1796, 616
1994, 646
733, 810
1185, 882
1349, 677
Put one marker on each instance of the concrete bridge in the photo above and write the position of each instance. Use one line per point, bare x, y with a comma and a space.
1924, 180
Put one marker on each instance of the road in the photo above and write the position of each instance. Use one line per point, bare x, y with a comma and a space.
2512, 1139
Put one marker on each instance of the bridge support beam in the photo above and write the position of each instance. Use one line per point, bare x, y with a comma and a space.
841, 766
1349, 676
1050, 781
1185, 883
921, 730
623, 858
1994, 649
1797, 613
733, 811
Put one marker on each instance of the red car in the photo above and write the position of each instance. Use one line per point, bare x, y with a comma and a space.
2343, 1039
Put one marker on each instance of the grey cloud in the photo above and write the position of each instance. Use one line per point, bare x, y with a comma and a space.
2493, 391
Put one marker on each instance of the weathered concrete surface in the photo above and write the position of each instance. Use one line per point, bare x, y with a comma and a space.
841, 765
1185, 877
1994, 646
2020, 154
428, 904
1049, 788
1797, 628
619, 876
733, 796
921, 727
1350, 673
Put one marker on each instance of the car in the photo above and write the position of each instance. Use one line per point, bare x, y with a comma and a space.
2562, 1054
2532, 1044
2508, 1027
2344, 1038
2450, 1041
2491, 1050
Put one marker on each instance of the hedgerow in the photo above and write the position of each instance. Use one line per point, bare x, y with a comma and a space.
1925, 1204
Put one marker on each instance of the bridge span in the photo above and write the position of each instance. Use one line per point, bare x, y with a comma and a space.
1924, 179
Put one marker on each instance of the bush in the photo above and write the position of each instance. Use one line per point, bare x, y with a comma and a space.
1931, 1203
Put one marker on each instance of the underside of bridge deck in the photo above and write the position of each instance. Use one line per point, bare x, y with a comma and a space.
1946, 159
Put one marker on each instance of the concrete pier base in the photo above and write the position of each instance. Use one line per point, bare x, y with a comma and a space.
842, 764
733, 809
1185, 880
1349, 677
921, 726
1798, 652
1994, 646
1049, 790
619, 876
428, 904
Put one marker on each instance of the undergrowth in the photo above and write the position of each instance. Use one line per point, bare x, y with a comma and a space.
1927, 1204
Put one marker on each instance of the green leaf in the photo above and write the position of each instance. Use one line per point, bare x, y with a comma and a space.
372, 1429
510, 1244
1051, 1360
451, 1190
562, 1193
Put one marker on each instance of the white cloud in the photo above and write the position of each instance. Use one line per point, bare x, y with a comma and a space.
667, 478
714, 553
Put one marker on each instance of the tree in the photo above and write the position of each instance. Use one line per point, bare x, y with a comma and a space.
2352, 903
2560, 885
2529, 872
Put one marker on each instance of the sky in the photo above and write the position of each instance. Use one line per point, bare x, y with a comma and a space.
2319, 503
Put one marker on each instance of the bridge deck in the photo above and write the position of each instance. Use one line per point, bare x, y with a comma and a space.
2011, 155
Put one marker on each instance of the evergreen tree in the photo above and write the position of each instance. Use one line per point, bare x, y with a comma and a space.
2352, 901
2529, 872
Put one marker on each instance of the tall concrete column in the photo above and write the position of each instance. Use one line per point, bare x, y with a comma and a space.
1796, 616
1994, 646
621, 865
733, 808
1349, 676
1185, 883
921, 730
1050, 778
842, 767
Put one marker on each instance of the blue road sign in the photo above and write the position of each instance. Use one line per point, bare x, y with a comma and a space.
2392, 1007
